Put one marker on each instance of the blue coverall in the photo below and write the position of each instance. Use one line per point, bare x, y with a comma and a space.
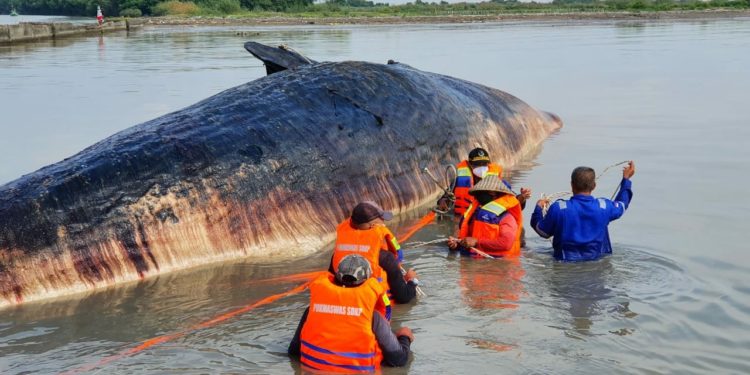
579, 225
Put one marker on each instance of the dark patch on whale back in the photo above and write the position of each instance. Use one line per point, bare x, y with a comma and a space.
252, 152
167, 214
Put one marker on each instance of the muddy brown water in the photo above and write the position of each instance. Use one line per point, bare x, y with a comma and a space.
674, 297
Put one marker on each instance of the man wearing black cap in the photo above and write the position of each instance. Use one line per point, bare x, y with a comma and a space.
469, 173
579, 225
341, 331
365, 233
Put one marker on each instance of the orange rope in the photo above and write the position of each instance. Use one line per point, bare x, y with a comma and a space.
162, 339
425, 220
294, 277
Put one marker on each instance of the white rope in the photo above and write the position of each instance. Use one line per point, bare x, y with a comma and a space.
617, 188
549, 198
420, 293
447, 190
481, 253
425, 243
449, 193
610, 167
450, 176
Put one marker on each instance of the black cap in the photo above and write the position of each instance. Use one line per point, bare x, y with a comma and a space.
479, 154
368, 211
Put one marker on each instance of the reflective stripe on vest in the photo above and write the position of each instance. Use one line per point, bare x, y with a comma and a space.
337, 335
483, 222
393, 246
494, 209
464, 182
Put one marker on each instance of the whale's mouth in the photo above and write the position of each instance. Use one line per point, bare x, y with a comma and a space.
554, 120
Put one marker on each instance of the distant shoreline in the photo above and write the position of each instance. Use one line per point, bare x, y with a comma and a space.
448, 19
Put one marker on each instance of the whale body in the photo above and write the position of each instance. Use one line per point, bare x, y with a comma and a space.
265, 169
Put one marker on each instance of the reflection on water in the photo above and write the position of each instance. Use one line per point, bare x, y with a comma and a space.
671, 299
490, 284
582, 287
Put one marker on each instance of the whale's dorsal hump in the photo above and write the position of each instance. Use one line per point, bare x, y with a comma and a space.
277, 59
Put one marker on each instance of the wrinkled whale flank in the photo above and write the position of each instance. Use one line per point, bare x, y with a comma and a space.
264, 169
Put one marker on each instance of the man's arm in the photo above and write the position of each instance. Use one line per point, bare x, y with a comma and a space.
543, 225
401, 291
444, 202
294, 346
395, 349
508, 234
622, 201
523, 197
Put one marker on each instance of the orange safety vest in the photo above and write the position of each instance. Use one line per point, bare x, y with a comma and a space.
337, 335
483, 222
464, 182
368, 244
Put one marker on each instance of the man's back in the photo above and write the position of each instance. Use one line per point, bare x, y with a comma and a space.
579, 225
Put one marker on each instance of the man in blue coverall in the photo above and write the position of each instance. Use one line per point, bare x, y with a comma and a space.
579, 225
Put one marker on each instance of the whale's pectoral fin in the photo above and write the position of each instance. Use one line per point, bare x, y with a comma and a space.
277, 59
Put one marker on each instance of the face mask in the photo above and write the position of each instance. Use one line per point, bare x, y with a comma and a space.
480, 171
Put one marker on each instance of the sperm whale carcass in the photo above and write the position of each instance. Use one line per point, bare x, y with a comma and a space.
265, 169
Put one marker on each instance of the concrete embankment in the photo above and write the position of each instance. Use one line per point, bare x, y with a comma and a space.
29, 31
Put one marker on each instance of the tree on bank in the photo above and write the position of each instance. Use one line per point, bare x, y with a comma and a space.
62, 7
146, 7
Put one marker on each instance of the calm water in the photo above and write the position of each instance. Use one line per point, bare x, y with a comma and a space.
674, 298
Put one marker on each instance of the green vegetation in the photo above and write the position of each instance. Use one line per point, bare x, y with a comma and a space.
175, 8
348, 8
131, 12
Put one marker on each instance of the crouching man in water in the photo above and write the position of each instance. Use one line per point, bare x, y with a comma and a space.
579, 225
365, 233
342, 331
493, 222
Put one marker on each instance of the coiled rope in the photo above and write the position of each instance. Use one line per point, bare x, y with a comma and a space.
549, 198
447, 188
